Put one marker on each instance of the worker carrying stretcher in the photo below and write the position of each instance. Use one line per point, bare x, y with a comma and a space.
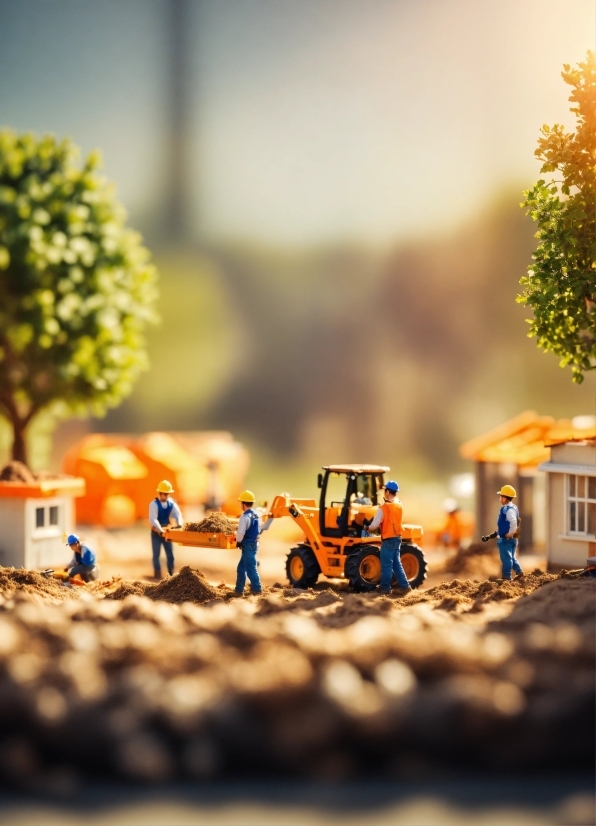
389, 520
247, 539
161, 510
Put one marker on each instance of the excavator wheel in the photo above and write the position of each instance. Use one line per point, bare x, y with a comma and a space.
302, 567
363, 568
415, 565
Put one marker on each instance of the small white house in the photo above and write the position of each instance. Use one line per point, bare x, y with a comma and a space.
35, 520
571, 503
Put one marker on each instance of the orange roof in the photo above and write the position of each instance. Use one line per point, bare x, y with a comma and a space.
65, 486
356, 468
524, 440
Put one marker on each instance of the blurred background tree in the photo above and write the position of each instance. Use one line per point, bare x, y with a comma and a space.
561, 283
331, 193
77, 286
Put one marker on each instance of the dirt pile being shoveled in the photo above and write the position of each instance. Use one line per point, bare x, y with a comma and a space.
20, 581
213, 523
16, 472
154, 691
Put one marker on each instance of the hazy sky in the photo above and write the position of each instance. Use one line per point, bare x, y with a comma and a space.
311, 119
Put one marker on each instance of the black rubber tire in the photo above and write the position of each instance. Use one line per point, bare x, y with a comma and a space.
311, 567
422, 565
352, 568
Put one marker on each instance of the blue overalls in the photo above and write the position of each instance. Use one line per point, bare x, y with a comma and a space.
507, 547
85, 564
157, 540
247, 567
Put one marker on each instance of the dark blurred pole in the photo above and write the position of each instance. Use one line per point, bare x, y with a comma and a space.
176, 201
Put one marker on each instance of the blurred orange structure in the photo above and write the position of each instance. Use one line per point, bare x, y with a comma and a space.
510, 454
122, 471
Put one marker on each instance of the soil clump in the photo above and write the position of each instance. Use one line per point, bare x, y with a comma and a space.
213, 523
129, 589
16, 472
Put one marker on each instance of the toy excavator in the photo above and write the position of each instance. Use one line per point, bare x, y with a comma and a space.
336, 543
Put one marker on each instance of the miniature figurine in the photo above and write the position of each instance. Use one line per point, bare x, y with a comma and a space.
161, 510
247, 539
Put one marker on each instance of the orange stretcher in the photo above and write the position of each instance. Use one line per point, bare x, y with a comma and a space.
198, 539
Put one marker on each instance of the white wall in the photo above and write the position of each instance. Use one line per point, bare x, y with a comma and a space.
23, 544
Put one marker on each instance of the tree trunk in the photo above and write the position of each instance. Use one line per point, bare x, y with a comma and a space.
19, 445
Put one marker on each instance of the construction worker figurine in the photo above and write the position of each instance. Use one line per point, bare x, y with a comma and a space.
388, 518
247, 539
507, 530
83, 562
161, 510
450, 536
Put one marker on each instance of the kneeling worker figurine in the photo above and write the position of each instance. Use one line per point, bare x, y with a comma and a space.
83, 562
161, 509
507, 532
247, 539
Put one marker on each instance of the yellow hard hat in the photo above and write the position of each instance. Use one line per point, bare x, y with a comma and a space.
507, 490
165, 487
247, 496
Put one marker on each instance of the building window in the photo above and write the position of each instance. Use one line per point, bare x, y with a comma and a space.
581, 505
39, 517
54, 515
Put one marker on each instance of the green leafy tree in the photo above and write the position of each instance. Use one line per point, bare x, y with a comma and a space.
560, 286
76, 286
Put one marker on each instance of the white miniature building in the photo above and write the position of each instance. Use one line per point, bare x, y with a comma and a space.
571, 503
35, 520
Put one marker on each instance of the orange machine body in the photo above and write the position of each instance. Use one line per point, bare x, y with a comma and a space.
331, 553
335, 530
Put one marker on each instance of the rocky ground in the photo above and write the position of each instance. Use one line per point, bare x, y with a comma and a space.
181, 680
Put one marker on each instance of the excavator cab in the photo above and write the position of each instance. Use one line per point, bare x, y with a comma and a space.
349, 495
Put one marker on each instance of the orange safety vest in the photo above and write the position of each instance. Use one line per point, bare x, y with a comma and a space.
391, 524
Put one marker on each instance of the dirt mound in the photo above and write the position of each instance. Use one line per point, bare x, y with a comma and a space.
451, 594
129, 589
152, 691
565, 600
187, 586
213, 523
16, 472
479, 560
19, 580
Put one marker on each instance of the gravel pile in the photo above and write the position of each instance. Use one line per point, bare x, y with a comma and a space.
145, 689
